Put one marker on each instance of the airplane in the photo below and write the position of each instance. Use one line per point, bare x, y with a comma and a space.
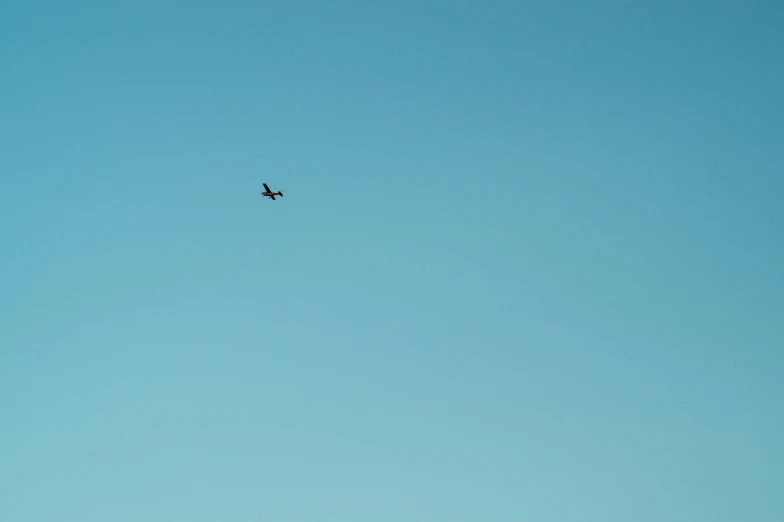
269, 194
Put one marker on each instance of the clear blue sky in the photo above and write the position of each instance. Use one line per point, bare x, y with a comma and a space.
528, 265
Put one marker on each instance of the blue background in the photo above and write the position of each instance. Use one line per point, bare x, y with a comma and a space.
528, 265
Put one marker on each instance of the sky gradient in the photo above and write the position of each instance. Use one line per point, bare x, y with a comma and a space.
528, 266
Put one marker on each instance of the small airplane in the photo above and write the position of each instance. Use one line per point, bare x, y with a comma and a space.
269, 194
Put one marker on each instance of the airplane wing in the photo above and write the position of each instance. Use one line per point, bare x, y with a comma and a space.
273, 197
266, 187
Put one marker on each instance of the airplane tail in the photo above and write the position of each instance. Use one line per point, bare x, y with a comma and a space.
281, 193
